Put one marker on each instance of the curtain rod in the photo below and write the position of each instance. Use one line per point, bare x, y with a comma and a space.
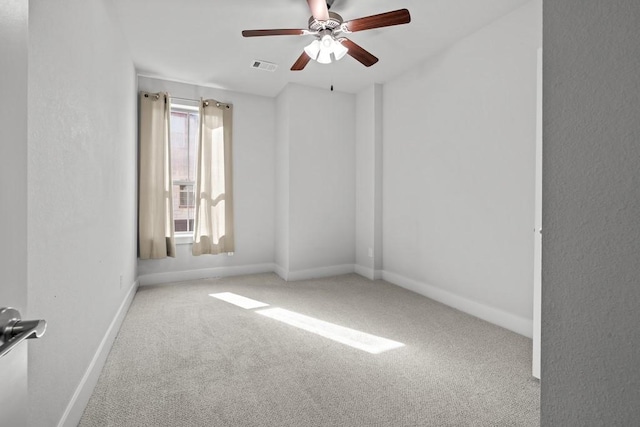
206, 101
218, 103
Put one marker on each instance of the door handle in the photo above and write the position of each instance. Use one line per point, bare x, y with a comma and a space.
14, 330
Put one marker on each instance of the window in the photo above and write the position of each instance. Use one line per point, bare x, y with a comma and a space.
186, 196
184, 131
179, 130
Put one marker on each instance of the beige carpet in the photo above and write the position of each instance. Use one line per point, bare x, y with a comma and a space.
183, 358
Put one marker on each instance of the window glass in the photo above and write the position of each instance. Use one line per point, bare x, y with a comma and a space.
184, 129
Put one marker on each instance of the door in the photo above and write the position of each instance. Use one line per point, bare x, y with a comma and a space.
13, 200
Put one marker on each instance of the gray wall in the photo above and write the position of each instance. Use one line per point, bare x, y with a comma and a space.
81, 192
591, 214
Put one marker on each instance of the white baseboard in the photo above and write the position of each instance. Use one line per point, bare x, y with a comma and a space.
512, 322
281, 271
367, 272
314, 273
81, 396
203, 273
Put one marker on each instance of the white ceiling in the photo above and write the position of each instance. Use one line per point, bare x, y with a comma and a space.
200, 41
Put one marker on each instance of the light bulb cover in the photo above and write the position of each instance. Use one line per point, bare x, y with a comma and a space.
327, 41
324, 57
339, 50
313, 49
322, 49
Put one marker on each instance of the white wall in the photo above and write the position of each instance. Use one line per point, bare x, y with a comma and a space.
368, 243
81, 193
320, 129
254, 189
591, 214
282, 183
459, 152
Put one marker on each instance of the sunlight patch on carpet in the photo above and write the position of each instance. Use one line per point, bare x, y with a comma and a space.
239, 300
351, 337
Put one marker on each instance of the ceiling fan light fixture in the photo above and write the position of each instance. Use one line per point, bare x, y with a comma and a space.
339, 50
327, 41
324, 57
322, 49
313, 49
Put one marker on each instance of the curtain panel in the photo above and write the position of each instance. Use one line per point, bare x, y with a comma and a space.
213, 228
155, 209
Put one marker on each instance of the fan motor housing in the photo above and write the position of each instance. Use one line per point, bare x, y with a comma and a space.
332, 23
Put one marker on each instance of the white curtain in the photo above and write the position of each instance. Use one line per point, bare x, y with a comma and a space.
155, 210
213, 229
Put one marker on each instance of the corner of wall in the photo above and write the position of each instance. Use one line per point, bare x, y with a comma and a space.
282, 272
315, 273
367, 272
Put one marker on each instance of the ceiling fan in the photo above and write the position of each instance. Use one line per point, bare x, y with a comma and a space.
329, 29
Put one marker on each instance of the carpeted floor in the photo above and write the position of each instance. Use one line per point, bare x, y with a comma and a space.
183, 358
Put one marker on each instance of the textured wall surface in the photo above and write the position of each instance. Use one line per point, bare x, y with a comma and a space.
281, 243
81, 191
458, 167
369, 105
322, 179
320, 157
591, 214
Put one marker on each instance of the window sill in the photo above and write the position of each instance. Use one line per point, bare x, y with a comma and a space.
183, 238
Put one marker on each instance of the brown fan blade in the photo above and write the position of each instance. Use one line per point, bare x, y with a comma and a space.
286, 32
301, 62
387, 19
319, 9
358, 53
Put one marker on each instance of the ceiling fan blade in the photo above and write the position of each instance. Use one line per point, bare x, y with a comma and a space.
301, 62
397, 17
358, 53
283, 32
319, 9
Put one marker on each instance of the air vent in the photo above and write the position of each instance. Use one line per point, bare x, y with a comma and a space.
264, 65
